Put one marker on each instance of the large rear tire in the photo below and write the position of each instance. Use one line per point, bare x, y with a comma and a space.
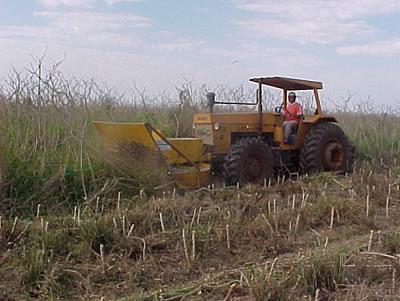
250, 160
326, 148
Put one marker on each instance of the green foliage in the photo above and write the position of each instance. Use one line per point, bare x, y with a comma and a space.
58, 242
35, 264
39, 276
323, 271
97, 233
391, 243
27, 185
376, 136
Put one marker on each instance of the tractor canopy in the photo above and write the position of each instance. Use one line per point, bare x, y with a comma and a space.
289, 84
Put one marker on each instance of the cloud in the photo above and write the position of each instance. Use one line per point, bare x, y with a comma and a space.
72, 3
380, 48
315, 8
313, 21
81, 3
179, 45
82, 29
112, 2
87, 22
306, 31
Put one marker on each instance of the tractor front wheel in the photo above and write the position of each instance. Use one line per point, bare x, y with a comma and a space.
326, 148
250, 160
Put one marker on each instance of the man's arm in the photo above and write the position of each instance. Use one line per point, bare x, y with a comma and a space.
299, 111
287, 113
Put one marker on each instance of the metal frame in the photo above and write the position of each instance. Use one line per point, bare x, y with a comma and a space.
150, 128
286, 84
316, 96
257, 103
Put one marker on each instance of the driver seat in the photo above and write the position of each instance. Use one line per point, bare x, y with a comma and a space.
292, 135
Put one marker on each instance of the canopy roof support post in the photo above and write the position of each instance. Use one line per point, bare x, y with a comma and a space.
260, 109
284, 101
316, 95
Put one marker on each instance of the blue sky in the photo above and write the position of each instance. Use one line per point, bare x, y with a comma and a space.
352, 46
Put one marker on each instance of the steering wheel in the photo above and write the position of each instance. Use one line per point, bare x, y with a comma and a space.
278, 109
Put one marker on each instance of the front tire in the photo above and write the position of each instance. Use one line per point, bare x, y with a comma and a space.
250, 160
326, 148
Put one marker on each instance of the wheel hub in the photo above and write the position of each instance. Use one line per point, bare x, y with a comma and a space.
333, 155
254, 168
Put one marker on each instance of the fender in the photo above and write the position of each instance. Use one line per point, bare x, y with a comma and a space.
307, 124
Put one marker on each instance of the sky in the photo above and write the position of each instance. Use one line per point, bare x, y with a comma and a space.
353, 47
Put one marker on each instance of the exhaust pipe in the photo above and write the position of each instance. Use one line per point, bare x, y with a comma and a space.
210, 101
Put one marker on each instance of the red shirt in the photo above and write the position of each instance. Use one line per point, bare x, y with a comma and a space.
292, 110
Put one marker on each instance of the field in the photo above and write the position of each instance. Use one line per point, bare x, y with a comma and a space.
76, 224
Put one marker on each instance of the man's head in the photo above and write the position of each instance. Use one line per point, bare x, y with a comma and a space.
292, 97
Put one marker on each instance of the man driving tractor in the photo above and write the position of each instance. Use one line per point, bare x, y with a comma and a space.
292, 116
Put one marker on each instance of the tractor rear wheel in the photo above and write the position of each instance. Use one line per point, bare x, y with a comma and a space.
249, 160
326, 148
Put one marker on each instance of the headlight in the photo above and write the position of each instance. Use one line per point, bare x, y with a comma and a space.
216, 126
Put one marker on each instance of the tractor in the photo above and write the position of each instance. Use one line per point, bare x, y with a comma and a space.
244, 147
250, 146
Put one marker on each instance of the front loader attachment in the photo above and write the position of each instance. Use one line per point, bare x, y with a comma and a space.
185, 158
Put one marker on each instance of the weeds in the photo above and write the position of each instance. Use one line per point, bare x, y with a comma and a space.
208, 244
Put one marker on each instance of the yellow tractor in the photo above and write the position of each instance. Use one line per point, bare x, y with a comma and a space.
245, 147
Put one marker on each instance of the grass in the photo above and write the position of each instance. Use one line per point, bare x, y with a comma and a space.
209, 244
79, 224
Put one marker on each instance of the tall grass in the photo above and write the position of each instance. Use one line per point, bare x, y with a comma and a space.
50, 151
52, 155
376, 135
